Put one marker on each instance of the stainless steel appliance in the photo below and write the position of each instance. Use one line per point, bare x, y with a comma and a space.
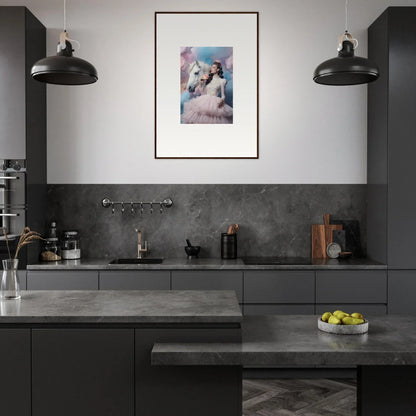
13, 196
14, 190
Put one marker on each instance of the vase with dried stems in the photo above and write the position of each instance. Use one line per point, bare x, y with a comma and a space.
10, 287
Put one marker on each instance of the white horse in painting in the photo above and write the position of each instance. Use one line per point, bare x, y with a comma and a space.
196, 70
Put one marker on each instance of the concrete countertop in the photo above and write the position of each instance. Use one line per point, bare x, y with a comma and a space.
213, 264
295, 341
128, 307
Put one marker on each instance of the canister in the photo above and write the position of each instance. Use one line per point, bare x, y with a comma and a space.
228, 246
70, 247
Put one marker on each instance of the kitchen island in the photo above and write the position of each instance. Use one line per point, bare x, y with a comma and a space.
385, 357
89, 353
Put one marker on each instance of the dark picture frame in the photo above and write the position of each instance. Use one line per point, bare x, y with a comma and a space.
172, 137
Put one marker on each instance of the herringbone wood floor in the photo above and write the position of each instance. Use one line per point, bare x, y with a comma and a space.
287, 397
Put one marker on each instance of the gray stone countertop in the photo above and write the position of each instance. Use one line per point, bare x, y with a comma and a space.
128, 307
213, 264
295, 341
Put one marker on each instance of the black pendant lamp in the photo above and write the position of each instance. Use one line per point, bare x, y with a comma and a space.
64, 68
346, 68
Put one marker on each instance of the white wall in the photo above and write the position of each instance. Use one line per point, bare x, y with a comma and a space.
103, 133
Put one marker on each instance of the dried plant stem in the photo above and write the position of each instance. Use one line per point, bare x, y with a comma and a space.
7, 243
26, 237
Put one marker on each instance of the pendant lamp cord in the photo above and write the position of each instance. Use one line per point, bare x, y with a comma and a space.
346, 16
346, 35
64, 15
64, 35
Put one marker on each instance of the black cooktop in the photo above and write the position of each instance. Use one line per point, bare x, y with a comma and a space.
263, 261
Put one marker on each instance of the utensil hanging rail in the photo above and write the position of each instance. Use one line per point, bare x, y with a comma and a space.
133, 205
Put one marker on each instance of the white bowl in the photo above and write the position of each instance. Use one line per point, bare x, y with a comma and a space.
343, 329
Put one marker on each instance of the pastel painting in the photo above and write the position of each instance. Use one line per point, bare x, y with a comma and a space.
206, 85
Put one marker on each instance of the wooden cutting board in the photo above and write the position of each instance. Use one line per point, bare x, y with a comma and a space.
322, 236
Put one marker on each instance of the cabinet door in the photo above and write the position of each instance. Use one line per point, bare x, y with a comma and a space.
355, 286
83, 372
15, 398
402, 291
12, 83
401, 144
279, 309
279, 287
209, 280
186, 390
22, 279
135, 280
62, 280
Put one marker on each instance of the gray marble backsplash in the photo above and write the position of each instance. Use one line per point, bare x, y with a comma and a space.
274, 219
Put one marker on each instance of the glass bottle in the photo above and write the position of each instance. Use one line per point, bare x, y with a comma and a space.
10, 287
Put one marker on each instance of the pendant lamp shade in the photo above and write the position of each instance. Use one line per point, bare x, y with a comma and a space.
64, 69
346, 68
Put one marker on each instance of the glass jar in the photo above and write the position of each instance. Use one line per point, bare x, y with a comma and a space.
10, 287
50, 250
70, 247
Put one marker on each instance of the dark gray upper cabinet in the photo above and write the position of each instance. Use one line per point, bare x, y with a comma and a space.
22, 100
391, 219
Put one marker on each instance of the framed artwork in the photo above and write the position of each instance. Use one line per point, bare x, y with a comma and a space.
206, 85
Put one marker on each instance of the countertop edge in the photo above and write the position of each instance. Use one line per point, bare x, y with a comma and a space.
202, 264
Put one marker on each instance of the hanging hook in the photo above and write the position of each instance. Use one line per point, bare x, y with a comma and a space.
347, 36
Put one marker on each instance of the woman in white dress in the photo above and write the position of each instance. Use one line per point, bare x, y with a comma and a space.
209, 107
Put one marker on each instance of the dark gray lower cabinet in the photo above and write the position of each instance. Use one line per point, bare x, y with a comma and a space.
279, 287
135, 280
279, 292
279, 309
402, 291
22, 279
356, 286
186, 390
363, 291
62, 280
15, 397
365, 309
209, 280
82, 372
